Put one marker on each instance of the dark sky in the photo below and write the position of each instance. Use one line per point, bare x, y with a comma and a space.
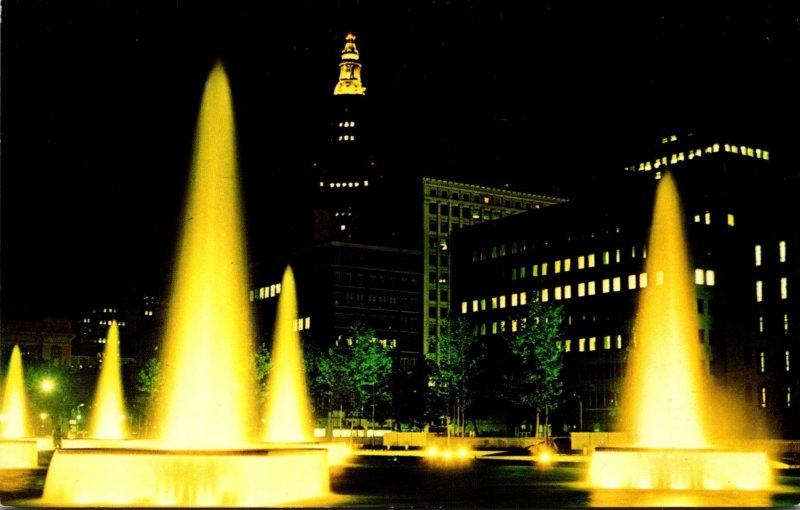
99, 101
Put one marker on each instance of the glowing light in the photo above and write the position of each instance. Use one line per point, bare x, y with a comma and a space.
109, 405
545, 458
47, 385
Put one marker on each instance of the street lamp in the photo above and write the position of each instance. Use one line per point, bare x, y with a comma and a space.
47, 385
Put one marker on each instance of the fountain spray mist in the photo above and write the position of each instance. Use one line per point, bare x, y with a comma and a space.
108, 419
208, 395
288, 415
16, 421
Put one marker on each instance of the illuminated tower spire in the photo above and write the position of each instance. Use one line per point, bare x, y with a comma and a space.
349, 70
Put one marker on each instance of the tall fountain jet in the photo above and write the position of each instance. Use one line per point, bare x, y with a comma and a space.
108, 420
666, 415
15, 422
288, 409
208, 451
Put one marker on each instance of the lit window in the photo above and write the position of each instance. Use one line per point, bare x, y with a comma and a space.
715, 147
617, 256
513, 325
567, 345
786, 356
711, 277
788, 397
607, 342
308, 322
494, 328
707, 218
765, 154
592, 343
557, 266
558, 293
631, 281
763, 396
606, 285
758, 255
699, 276
762, 362
567, 265
502, 301
535, 270
759, 291
619, 341
464, 307
730, 220
784, 287
786, 324
483, 304
514, 299
581, 344
581, 289
642, 280
782, 251
523, 298
617, 284
727, 147
494, 303
544, 268
697, 218
545, 296
592, 289
591, 260
581, 262
760, 323
483, 328
567, 291
606, 258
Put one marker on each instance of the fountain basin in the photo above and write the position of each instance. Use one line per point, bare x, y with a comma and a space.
679, 469
19, 453
154, 477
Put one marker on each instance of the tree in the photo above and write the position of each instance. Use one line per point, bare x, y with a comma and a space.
147, 381
537, 384
353, 374
263, 366
453, 367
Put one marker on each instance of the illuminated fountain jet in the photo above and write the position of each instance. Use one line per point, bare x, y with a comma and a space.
18, 448
667, 416
108, 413
207, 451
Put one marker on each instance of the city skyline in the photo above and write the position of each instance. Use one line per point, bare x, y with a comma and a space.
99, 105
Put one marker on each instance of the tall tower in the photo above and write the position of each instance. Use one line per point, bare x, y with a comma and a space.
347, 181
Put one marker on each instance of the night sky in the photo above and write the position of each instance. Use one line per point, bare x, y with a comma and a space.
99, 101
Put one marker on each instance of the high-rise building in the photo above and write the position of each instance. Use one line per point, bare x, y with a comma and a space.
589, 254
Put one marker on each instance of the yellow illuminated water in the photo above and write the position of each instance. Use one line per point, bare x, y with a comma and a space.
15, 418
108, 413
666, 412
287, 411
208, 398
665, 380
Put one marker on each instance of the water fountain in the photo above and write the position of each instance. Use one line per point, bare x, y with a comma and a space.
108, 412
666, 386
18, 448
207, 451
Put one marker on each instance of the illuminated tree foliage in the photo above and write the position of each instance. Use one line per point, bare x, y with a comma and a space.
536, 383
452, 369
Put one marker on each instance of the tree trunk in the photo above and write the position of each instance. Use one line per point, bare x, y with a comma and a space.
536, 434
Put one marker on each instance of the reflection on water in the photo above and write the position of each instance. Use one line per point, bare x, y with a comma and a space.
672, 498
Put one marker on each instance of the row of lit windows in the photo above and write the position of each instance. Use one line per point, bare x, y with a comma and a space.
706, 218
763, 362
781, 252
302, 323
148, 313
479, 198
347, 123
565, 265
701, 277
386, 342
696, 153
763, 396
348, 184
784, 289
347, 138
785, 324
582, 344
266, 292
108, 323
